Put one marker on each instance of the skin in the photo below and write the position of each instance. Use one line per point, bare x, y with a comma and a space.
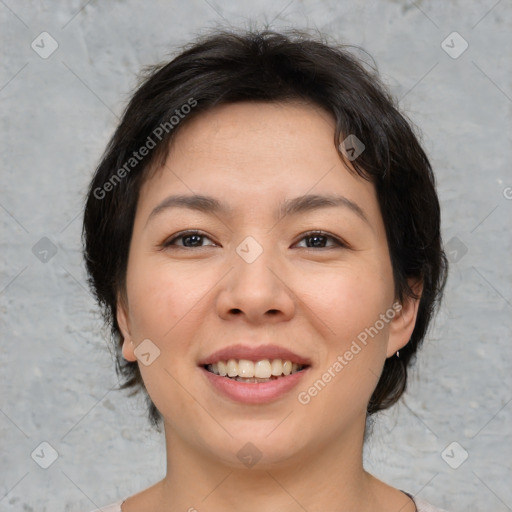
191, 301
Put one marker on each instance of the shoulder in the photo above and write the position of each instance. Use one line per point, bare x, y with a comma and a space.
424, 506
421, 504
113, 507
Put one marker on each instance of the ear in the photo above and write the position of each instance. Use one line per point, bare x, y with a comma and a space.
124, 326
402, 325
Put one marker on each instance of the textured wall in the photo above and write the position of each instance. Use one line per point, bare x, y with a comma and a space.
58, 111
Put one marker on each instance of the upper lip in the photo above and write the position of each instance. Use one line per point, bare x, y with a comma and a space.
254, 354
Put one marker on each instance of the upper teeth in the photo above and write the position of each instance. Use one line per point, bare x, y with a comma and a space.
263, 369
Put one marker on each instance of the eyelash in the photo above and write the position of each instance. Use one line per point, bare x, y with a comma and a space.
309, 234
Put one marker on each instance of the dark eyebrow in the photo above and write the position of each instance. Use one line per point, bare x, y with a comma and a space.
311, 202
196, 202
293, 206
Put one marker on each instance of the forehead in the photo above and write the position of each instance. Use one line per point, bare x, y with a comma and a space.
241, 127
265, 151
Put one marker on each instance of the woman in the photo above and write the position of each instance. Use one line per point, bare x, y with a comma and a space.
263, 234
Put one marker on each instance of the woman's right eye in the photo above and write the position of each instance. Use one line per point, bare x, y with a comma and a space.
190, 239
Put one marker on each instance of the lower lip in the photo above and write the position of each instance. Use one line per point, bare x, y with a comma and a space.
254, 392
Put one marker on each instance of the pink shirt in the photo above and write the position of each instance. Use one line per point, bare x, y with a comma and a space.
421, 505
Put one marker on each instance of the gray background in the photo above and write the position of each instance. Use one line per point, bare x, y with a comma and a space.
57, 114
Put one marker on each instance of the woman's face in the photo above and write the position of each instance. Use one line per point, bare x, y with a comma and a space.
258, 283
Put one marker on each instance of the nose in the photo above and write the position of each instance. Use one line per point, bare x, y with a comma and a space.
256, 290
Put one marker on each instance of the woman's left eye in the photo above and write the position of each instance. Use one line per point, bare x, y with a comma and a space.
317, 240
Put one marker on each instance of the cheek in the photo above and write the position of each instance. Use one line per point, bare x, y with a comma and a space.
351, 305
164, 307
349, 301
161, 297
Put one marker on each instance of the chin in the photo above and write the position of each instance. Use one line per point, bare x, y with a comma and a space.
259, 448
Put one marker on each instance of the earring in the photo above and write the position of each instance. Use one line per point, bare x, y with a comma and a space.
398, 354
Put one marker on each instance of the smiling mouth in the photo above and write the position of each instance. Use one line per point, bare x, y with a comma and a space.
264, 370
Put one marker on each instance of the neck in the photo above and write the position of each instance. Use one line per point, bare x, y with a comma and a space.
319, 478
